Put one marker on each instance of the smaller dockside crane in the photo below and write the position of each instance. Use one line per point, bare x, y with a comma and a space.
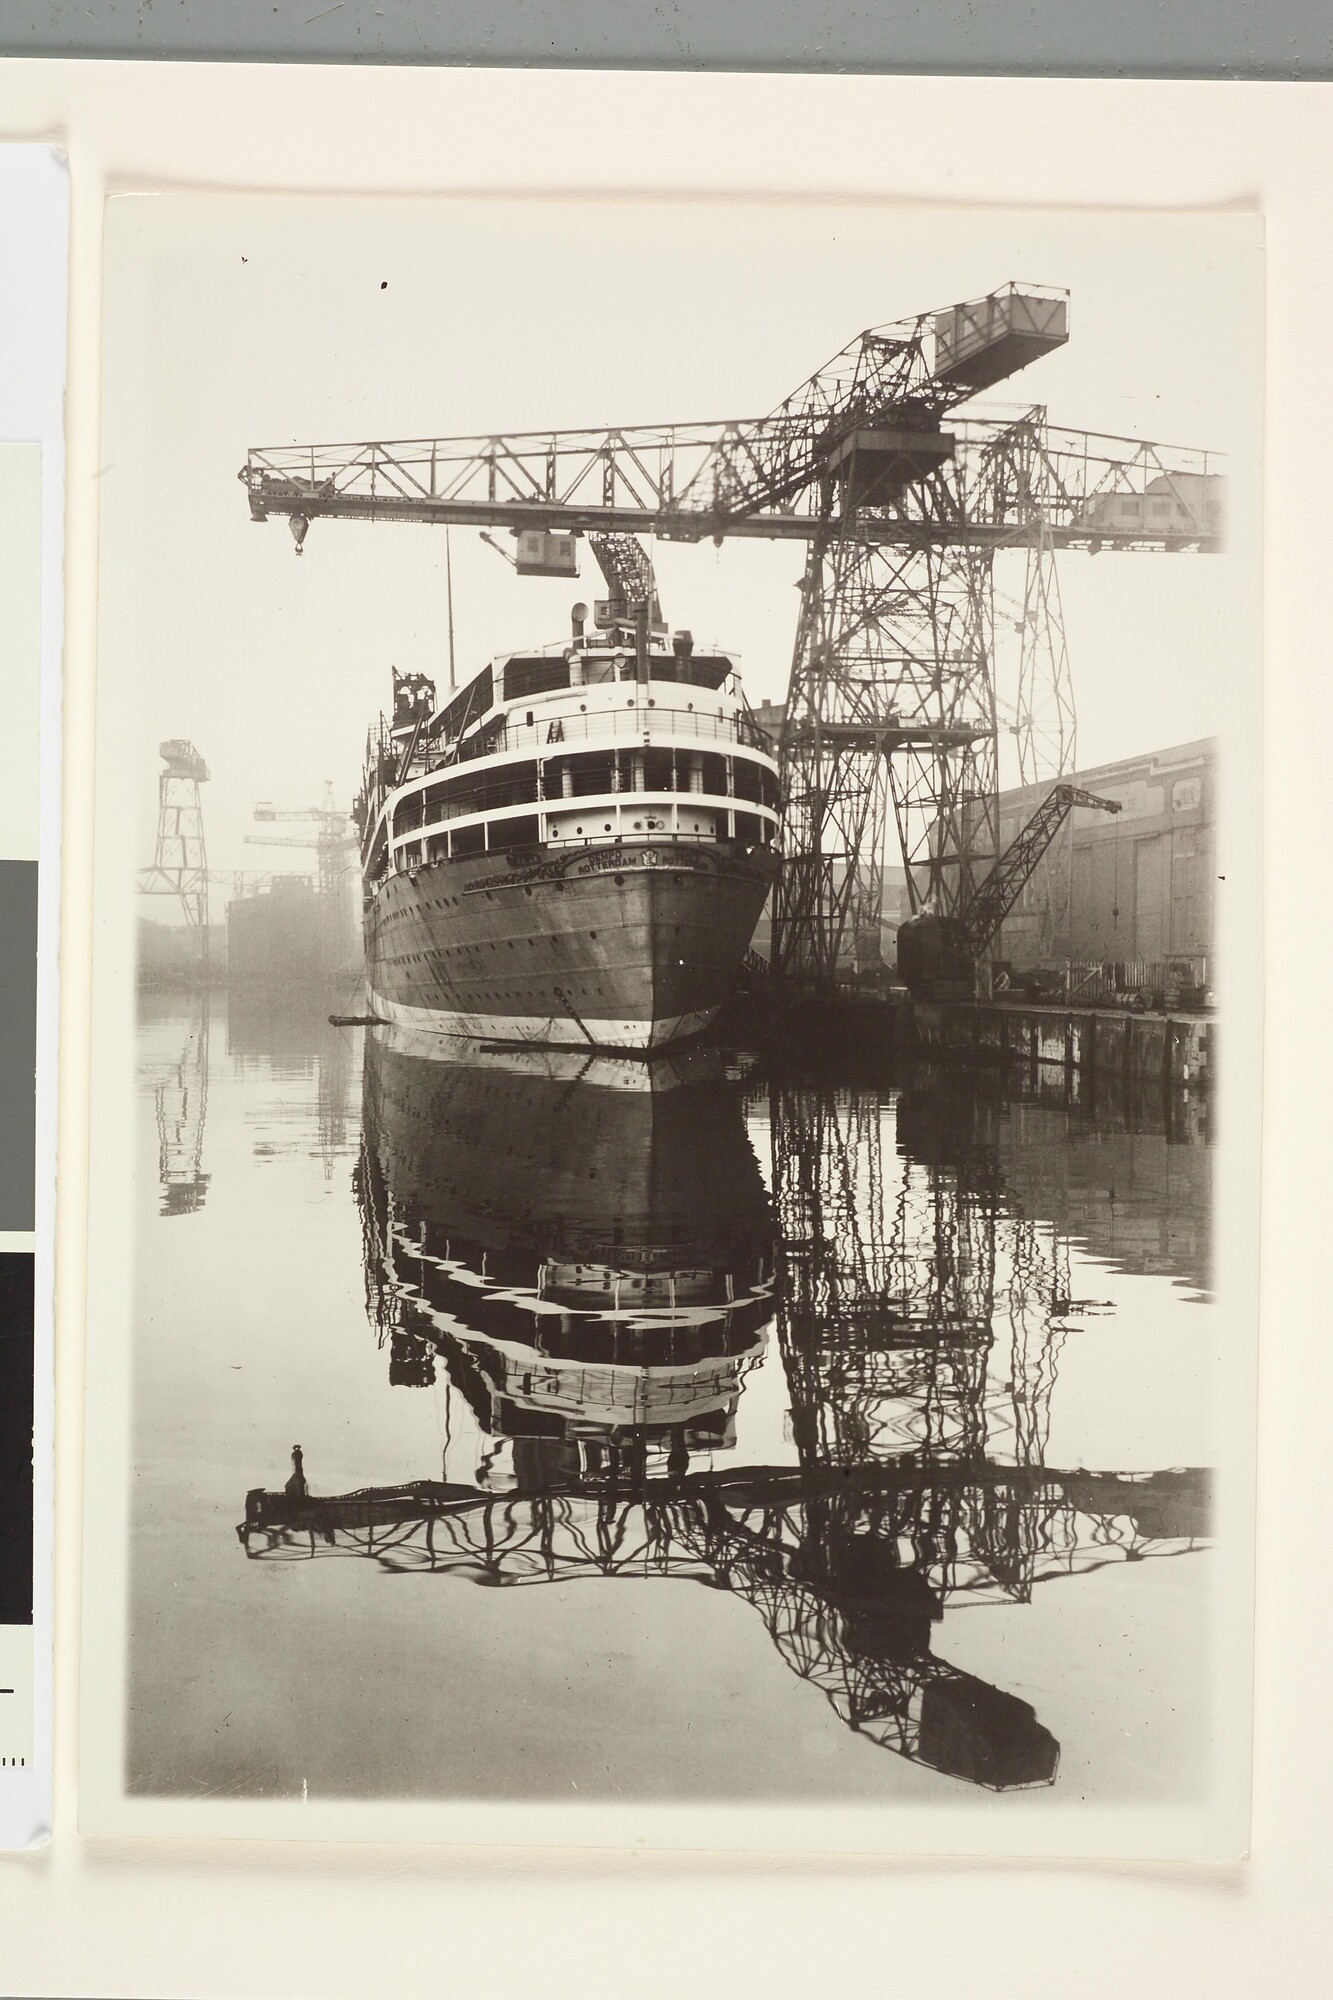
938, 955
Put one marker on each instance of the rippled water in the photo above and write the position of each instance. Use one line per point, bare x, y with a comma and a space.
685, 1432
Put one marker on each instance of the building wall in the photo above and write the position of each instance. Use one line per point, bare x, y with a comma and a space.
169, 956
274, 938
1141, 882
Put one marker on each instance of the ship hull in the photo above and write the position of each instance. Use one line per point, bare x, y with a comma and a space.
609, 947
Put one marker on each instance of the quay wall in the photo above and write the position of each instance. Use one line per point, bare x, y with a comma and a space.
1174, 1049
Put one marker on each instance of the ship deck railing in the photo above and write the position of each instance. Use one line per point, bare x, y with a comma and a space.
553, 731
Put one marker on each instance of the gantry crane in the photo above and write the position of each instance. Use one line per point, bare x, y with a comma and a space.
333, 841
891, 712
180, 858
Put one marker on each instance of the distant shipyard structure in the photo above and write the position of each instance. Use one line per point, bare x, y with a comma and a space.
273, 935
292, 934
1127, 897
285, 933
170, 955
1135, 890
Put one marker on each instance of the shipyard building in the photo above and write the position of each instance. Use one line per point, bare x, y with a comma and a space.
285, 936
1134, 889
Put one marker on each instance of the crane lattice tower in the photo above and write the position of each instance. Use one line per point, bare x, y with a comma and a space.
334, 845
180, 859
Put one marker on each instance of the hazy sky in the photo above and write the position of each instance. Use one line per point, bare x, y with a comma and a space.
234, 321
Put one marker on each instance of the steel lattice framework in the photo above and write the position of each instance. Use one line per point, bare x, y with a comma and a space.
668, 480
891, 713
796, 1555
180, 858
181, 1101
332, 842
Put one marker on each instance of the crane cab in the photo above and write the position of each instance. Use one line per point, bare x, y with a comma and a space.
935, 958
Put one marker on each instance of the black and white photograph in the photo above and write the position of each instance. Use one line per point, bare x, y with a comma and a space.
675, 1065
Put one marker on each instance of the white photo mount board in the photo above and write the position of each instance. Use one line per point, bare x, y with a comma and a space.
34, 249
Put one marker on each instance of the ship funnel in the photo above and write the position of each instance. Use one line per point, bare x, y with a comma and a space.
300, 527
682, 644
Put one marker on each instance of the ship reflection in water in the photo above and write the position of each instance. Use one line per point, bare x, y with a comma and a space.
584, 1243
582, 1253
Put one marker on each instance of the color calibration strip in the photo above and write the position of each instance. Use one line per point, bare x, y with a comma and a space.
34, 257
20, 690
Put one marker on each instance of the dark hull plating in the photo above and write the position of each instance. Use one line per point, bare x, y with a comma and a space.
617, 947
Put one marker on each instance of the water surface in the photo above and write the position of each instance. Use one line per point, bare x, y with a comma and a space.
701, 1432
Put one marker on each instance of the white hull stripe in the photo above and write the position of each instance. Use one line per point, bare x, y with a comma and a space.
560, 1030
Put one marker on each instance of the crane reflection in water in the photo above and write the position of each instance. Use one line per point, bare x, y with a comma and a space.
582, 1251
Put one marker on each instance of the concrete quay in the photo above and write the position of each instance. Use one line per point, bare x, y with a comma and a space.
1173, 1049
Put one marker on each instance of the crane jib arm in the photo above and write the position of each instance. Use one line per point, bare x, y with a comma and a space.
861, 441
1102, 492
1003, 886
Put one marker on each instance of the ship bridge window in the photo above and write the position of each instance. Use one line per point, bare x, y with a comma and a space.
468, 840
475, 791
524, 678
714, 770
747, 779
755, 782
700, 670
487, 740
508, 833
583, 775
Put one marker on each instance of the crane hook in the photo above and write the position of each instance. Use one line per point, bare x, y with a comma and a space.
300, 527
